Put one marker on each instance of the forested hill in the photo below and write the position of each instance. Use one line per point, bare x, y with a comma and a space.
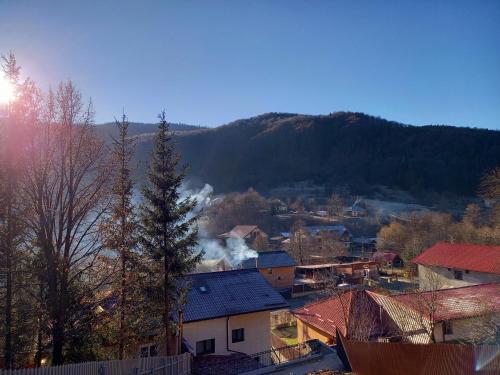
109, 129
341, 148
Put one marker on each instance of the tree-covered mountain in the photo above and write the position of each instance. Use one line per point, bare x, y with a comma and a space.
109, 129
342, 148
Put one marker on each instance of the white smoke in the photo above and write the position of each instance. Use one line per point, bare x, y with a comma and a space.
234, 251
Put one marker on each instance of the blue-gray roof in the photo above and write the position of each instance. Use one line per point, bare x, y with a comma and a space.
269, 259
226, 293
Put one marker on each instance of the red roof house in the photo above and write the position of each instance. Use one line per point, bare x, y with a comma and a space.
480, 258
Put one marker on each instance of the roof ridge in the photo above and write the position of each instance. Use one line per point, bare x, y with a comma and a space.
446, 289
215, 273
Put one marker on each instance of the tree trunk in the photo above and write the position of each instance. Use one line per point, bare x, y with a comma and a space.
123, 329
8, 354
166, 309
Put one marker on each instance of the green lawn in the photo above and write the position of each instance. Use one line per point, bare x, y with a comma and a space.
288, 334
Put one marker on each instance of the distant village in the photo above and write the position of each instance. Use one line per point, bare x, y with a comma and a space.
326, 292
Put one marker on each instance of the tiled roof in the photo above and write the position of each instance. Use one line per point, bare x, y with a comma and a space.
269, 259
327, 314
226, 293
240, 231
481, 258
454, 303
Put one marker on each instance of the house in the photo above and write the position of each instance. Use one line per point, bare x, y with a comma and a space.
364, 245
464, 314
228, 312
459, 314
211, 265
277, 267
352, 272
447, 265
323, 234
246, 232
387, 259
355, 211
352, 313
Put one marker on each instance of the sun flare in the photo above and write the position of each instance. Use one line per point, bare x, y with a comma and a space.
6, 90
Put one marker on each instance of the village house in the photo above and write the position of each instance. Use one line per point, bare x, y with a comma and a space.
228, 312
387, 259
326, 234
461, 314
352, 272
351, 313
355, 211
246, 232
277, 267
447, 265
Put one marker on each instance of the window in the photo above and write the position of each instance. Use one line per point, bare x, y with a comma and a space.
270, 271
459, 275
448, 328
466, 271
205, 347
149, 350
239, 335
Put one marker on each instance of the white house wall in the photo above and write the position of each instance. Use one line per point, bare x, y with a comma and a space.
430, 275
257, 333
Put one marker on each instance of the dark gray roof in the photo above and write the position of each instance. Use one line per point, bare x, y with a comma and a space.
269, 259
226, 293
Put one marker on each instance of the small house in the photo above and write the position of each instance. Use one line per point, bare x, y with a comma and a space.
387, 259
229, 312
246, 232
277, 267
447, 265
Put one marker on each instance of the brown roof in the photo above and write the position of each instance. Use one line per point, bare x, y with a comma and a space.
481, 258
239, 231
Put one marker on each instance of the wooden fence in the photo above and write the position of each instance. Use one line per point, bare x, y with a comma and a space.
173, 365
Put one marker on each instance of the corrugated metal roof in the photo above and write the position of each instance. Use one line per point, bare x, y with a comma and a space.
226, 293
269, 259
481, 258
328, 314
374, 358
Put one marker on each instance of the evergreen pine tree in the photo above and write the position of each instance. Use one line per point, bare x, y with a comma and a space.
120, 234
168, 232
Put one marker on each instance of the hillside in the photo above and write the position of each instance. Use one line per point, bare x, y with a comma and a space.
108, 129
274, 149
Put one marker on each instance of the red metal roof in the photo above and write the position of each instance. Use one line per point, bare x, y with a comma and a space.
481, 258
454, 303
327, 314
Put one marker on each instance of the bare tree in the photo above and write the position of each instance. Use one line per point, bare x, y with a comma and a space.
299, 241
12, 210
335, 205
260, 243
67, 192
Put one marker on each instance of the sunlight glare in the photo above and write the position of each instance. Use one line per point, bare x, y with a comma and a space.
6, 90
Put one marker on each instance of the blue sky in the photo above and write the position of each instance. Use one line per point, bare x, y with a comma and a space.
211, 62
